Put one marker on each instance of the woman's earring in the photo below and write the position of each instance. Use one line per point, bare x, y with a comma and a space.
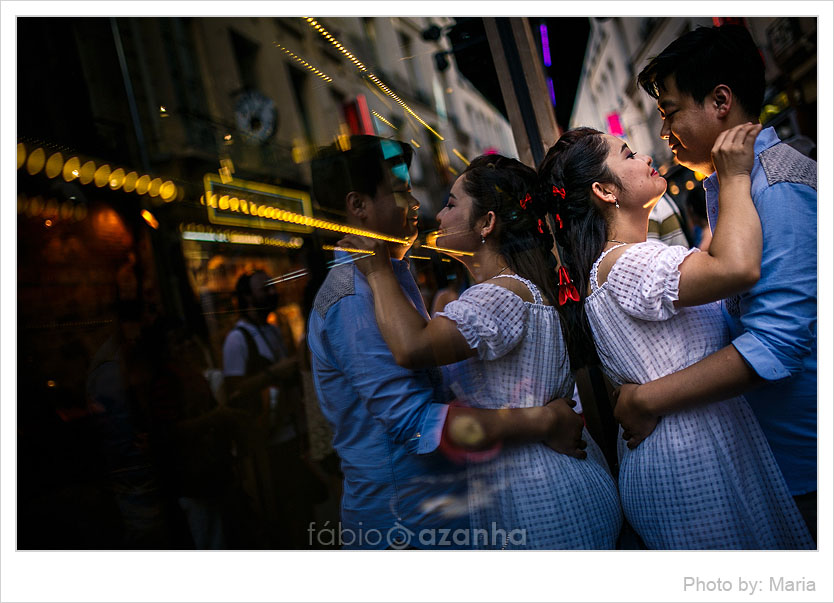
483, 239
616, 203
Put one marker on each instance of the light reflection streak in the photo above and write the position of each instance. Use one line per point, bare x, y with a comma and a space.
449, 251
201, 232
287, 277
383, 120
319, 73
460, 156
354, 255
347, 260
351, 249
366, 73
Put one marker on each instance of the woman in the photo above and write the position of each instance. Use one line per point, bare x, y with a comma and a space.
704, 477
503, 343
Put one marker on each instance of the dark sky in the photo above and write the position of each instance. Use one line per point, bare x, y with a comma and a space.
567, 37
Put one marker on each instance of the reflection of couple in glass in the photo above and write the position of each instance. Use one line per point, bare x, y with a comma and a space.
704, 475
387, 404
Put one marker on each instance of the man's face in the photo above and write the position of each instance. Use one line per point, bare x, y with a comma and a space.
393, 210
689, 127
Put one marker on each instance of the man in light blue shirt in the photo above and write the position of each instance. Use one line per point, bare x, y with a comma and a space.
388, 421
774, 325
705, 82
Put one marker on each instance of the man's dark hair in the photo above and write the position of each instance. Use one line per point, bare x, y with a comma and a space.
361, 168
702, 59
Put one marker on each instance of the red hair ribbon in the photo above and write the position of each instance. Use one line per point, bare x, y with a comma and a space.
523, 202
566, 288
559, 191
559, 221
541, 227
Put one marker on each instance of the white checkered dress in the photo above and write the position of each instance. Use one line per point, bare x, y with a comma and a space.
705, 478
560, 502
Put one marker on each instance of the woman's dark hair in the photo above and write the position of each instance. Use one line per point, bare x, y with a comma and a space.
571, 166
507, 187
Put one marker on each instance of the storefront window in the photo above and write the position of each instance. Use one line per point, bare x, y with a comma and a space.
154, 181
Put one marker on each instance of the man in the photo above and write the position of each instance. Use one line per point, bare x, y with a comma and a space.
261, 378
387, 420
255, 358
705, 82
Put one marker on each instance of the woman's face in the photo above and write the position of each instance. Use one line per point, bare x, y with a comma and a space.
456, 228
641, 184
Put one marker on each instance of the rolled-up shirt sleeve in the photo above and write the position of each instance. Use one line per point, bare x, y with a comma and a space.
402, 400
778, 316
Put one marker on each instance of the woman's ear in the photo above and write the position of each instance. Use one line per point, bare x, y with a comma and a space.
356, 205
489, 224
603, 192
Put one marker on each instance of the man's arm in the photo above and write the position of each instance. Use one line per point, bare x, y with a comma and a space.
281, 372
555, 424
779, 314
414, 341
778, 318
719, 376
403, 400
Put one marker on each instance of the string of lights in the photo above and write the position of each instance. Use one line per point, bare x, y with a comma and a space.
298, 59
273, 213
383, 120
100, 175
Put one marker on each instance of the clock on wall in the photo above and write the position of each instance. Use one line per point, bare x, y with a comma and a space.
256, 116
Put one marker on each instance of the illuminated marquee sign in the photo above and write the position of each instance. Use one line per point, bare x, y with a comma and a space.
255, 205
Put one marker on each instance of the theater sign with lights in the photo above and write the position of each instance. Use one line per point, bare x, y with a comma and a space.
256, 205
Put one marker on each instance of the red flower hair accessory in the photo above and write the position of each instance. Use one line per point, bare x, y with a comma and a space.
523, 202
566, 289
559, 221
541, 226
559, 191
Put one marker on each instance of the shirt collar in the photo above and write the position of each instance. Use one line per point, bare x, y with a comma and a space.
343, 257
766, 139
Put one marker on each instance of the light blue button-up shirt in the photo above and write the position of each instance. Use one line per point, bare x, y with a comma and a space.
774, 324
387, 421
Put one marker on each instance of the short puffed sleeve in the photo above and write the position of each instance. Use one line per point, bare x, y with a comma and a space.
645, 279
491, 318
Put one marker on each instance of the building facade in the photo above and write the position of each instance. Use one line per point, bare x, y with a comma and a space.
609, 99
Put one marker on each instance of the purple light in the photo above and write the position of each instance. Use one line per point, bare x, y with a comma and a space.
545, 45
552, 93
